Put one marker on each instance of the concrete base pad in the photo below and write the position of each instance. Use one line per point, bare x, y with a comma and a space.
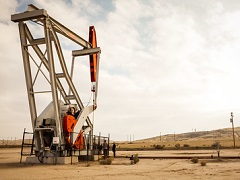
52, 160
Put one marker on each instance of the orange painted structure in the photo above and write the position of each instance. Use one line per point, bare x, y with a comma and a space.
93, 57
69, 122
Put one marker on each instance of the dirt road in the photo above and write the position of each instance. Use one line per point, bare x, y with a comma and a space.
121, 168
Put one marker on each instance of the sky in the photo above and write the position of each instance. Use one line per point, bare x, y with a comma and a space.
166, 66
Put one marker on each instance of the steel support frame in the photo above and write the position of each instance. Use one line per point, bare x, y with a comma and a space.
28, 78
55, 98
51, 28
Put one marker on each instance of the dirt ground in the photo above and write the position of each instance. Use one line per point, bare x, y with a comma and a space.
121, 168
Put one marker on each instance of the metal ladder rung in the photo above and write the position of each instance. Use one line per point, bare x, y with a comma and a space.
60, 75
27, 154
26, 145
70, 97
37, 41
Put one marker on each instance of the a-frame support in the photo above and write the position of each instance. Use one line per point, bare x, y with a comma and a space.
48, 51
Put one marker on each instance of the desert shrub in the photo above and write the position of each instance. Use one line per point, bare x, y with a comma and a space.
186, 145
203, 163
177, 145
107, 161
219, 159
194, 160
134, 159
216, 144
159, 146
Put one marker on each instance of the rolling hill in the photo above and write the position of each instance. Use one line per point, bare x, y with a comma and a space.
199, 139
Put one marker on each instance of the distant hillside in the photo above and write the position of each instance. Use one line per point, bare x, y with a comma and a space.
226, 132
199, 139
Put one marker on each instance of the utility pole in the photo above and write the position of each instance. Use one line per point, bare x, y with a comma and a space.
160, 137
231, 120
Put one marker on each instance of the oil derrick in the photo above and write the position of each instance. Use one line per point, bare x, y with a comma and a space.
64, 126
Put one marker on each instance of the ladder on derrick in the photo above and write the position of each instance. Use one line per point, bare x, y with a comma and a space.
27, 143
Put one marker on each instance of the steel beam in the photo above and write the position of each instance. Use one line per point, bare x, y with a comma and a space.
52, 75
28, 77
40, 13
86, 52
58, 27
37, 41
28, 74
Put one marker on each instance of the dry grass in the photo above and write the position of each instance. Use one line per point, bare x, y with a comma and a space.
196, 142
187, 140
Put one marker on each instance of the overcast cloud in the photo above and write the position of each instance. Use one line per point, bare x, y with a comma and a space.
166, 65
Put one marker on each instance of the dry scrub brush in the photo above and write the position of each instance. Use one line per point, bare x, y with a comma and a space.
203, 163
134, 159
194, 160
107, 161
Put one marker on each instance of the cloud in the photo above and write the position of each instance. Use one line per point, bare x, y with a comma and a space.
9, 7
166, 66
177, 68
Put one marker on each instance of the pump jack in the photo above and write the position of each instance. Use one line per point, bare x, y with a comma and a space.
54, 127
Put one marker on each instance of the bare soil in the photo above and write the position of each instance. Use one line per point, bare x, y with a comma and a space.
121, 168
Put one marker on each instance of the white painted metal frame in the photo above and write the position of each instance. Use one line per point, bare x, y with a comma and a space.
51, 29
